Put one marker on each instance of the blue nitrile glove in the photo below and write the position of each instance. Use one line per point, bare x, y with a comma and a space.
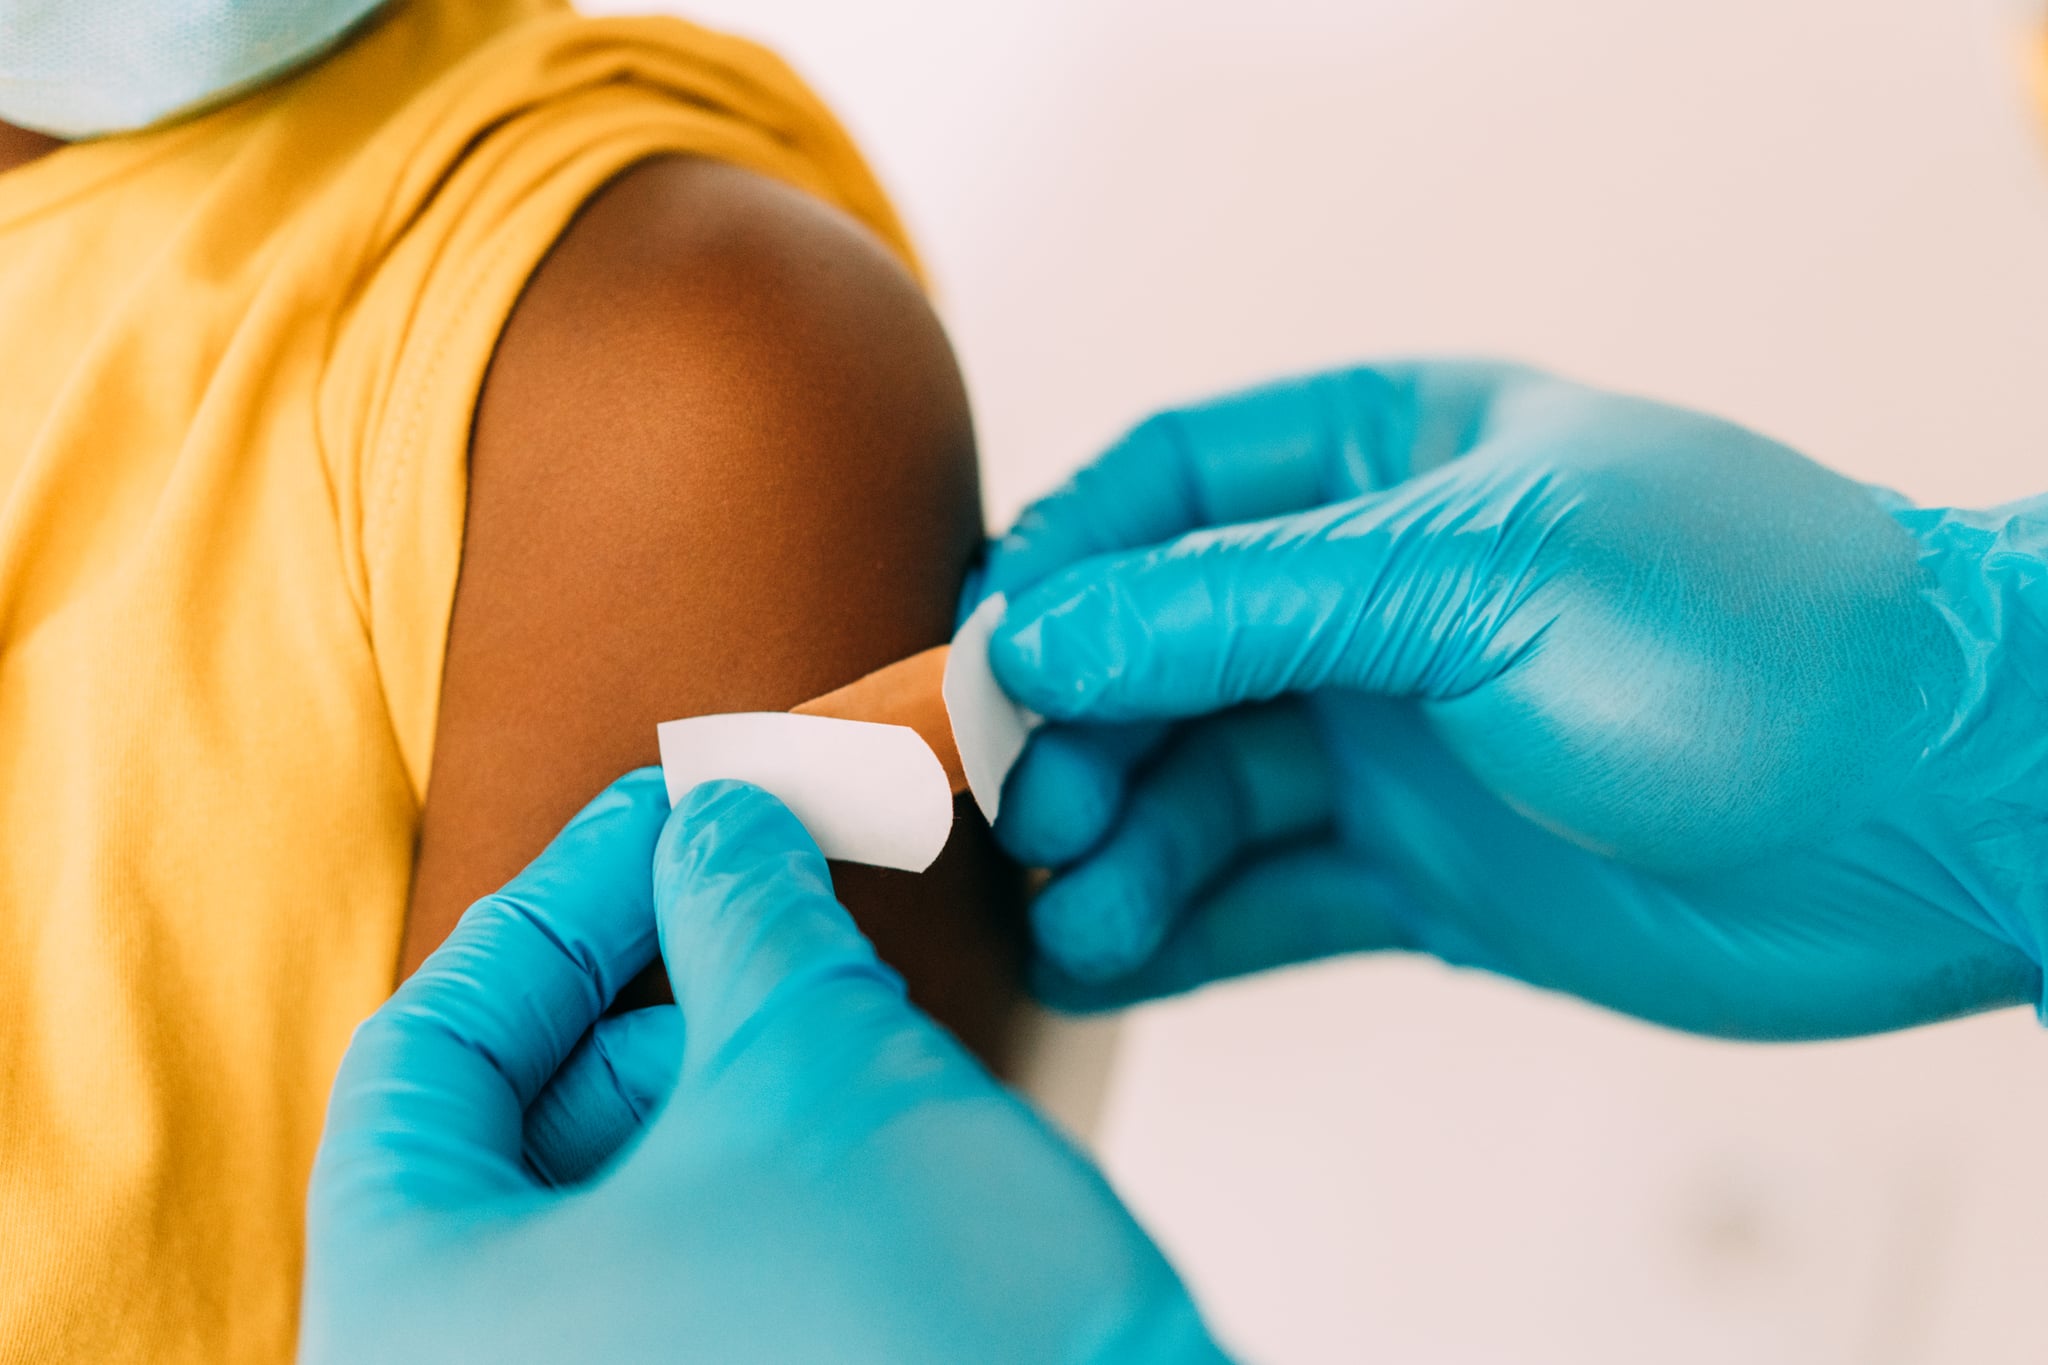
1613, 698
823, 1175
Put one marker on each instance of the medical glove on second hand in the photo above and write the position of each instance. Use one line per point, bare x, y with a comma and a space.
1610, 697
792, 1163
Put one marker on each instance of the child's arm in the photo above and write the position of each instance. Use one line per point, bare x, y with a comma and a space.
722, 461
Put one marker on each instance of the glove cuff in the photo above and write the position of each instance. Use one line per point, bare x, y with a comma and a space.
1987, 772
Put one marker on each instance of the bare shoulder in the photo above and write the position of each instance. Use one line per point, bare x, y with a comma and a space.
722, 461
693, 300
705, 344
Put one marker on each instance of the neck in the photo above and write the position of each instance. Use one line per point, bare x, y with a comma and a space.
18, 146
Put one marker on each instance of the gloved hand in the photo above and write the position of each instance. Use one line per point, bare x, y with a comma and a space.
824, 1174
1613, 698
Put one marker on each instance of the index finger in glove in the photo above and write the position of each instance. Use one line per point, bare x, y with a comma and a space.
1413, 592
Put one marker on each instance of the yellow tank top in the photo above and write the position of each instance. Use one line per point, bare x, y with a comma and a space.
238, 361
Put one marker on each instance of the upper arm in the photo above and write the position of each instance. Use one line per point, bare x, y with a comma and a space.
722, 461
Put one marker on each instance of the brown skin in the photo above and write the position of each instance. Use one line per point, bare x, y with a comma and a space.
19, 146
722, 462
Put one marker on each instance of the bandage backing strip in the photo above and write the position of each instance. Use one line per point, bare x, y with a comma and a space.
989, 728
868, 793
871, 768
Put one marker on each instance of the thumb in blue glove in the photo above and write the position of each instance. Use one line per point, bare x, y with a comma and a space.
824, 1174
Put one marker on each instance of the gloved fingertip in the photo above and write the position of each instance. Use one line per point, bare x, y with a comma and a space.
747, 913
641, 793
1062, 992
718, 824
1047, 654
1058, 803
642, 783
1093, 927
725, 797
729, 842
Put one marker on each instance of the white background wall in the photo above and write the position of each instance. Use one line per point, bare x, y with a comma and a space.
1828, 218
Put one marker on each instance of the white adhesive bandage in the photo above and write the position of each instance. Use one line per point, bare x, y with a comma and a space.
868, 793
871, 793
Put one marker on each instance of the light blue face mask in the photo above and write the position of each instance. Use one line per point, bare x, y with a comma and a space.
83, 68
